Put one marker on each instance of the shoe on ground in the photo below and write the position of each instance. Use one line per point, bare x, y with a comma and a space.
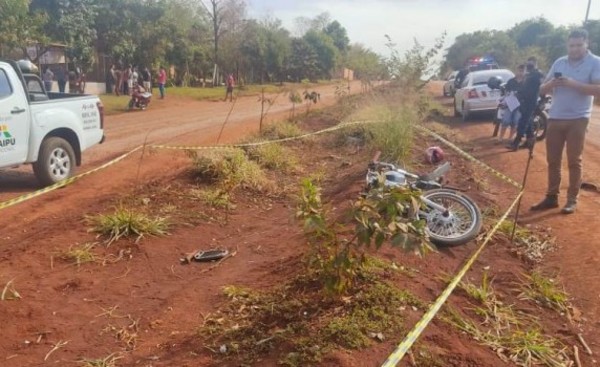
549, 202
513, 146
569, 208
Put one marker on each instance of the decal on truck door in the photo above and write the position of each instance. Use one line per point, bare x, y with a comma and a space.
7, 141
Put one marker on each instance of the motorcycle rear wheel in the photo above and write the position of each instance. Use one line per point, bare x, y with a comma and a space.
461, 223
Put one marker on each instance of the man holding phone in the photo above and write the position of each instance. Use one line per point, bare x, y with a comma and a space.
573, 81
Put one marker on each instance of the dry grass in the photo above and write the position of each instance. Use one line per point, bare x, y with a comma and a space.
108, 361
274, 156
9, 292
230, 169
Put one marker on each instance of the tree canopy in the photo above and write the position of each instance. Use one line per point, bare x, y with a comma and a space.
190, 35
532, 37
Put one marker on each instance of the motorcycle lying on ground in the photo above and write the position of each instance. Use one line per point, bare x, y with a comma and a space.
139, 98
452, 218
539, 117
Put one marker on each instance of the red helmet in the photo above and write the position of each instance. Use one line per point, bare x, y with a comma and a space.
434, 155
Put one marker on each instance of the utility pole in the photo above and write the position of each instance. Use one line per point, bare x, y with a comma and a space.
587, 13
215, 17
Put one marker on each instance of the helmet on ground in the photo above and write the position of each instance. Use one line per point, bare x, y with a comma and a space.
434, 155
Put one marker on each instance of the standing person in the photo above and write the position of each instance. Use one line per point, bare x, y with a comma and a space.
110, 85
230, 84
118, 81
147, 79
61, 78
48, 78
81, 82
162, 80
530, 92
511, 118
73, 78
573, 81
125, 80
130, 77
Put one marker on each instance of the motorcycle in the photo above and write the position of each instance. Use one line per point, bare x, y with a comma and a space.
539, 119
452, 218
139, 98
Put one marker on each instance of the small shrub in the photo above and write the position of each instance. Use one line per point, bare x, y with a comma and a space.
273, 156
215, 197
230, 169
81, 254
127, 223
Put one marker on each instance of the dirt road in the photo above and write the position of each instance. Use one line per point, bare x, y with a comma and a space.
173, 120
577, 261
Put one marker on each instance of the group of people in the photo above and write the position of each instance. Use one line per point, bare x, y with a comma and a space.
525, 88
129, 79
76, 79
573, 81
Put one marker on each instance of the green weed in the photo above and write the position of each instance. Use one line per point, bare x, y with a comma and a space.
127, 223
545, 292
80, 254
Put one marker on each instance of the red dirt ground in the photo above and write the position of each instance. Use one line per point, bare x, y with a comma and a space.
64, 303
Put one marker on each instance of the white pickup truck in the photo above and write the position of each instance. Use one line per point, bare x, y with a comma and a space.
48, 130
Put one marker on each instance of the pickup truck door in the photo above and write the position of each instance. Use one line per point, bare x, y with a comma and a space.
14, 118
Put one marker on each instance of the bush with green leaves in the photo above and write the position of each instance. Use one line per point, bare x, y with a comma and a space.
381, 215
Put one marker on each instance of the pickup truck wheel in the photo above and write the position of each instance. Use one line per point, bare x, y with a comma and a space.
56, 161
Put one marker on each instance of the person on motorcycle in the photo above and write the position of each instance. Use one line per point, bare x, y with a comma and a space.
530, 93
136, 93
511, 118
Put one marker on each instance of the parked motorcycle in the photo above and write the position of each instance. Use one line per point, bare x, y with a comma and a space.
139, 98
452, 218
539, 117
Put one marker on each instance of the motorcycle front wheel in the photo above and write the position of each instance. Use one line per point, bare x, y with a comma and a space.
458, 224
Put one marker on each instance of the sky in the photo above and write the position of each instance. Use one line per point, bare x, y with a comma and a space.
404, 20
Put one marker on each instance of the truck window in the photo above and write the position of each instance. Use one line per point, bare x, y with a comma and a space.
5, 88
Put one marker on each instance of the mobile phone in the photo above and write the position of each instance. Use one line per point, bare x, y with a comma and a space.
557, 75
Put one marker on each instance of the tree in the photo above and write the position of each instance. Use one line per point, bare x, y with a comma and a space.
531, 32
303, 62
18, 27
339, 35
72, 23
318, 23
325, 50
367, 65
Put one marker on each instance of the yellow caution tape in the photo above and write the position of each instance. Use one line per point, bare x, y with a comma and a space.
274, 141
63, 183
417, 330
469, 157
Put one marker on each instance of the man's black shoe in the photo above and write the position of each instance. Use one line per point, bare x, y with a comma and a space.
514, 146
569, 208
549, 202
